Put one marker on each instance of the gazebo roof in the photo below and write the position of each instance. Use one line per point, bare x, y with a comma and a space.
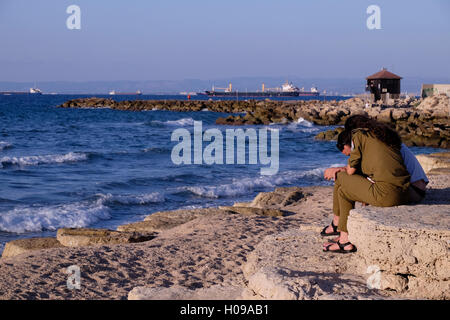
383, 74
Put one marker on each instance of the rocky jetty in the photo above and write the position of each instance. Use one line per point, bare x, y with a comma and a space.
422, 122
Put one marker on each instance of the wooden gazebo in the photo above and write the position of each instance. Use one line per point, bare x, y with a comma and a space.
384, 85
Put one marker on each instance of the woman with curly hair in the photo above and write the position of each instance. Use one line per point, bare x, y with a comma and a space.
375, 174
389, 136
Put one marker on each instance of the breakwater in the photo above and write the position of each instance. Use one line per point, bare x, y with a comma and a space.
420, 122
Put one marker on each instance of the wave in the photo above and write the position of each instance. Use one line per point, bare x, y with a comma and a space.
304, 122
243, 186
45, 159
41, 218
154, 197
5, 145
180, 122
302, 125
80, 214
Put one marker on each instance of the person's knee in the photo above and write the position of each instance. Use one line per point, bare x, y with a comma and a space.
340, 176
341, 194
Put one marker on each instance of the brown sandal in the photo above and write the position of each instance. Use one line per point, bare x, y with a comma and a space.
341, 248
334, 233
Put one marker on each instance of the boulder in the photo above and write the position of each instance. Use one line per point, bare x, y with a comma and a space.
412, 241
78, 237
385, 115
281, 197
400, 114
163, 220
329, 135
271, 284
16, 247
393, 282
439, 103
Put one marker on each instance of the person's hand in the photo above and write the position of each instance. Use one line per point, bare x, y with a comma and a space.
330, 173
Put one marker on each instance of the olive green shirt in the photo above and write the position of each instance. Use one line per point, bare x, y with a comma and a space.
376, 160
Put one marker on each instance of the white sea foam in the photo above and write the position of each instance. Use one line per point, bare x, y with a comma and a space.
142, 199
39, 218
302, 125
45, 159
304, 122
73, 215
5, 145
180, 122
243, 186
338, 165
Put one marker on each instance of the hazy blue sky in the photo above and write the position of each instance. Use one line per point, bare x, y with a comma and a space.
207, 39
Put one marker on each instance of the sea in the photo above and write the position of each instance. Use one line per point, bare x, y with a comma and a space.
101, 168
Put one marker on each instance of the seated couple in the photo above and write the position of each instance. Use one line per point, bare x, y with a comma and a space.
381, 171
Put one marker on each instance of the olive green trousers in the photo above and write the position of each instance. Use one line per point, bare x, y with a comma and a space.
351, 188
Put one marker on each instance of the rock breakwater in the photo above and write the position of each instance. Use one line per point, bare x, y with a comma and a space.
420, 122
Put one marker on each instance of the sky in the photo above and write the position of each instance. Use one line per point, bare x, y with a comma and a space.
210, 39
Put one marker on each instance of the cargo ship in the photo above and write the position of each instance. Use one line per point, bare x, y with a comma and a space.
115, 93
34, 91
286, 90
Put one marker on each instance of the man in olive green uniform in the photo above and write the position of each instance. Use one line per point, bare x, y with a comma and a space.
383, 182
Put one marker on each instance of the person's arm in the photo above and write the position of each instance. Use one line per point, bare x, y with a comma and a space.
354, 161
350, 170
418, 176
330, 173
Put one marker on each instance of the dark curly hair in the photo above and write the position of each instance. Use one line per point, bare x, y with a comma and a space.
381, 131
344, 138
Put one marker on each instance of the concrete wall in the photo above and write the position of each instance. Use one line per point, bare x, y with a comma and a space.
435, 89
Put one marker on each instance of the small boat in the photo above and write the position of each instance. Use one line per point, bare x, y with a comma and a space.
137, 93
35, 91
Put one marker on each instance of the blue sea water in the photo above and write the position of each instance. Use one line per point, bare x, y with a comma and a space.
103, 168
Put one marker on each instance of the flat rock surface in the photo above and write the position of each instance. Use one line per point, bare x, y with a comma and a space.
165, 220
78, 237
291, 265
254, 211
411, 240
20, 246
435, 161
413, 217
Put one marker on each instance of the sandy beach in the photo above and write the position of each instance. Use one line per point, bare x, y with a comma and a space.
216, 255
